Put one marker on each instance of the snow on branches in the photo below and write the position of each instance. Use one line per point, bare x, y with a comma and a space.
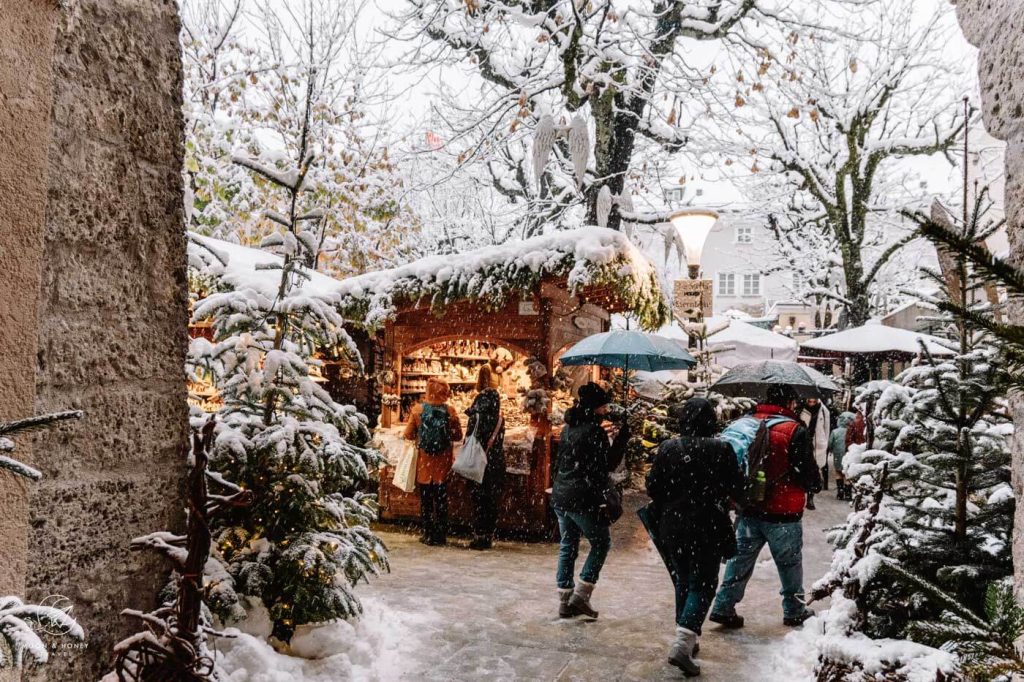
304, 540
547, 65
813, 125
587, 257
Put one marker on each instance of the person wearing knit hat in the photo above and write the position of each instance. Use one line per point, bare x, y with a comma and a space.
486, 422
585, 459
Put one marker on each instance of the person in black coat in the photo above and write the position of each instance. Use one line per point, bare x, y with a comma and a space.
585, 458
691, 482
486, 423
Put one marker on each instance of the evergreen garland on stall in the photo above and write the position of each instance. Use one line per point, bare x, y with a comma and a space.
305, 540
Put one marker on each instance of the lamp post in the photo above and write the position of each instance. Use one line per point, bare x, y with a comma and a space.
693, 227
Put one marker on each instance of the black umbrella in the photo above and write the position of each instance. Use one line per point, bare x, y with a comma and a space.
752, 380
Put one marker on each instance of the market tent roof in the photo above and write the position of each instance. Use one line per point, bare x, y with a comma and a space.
876, 338
737, 342
747, 343
244, 267
587, 258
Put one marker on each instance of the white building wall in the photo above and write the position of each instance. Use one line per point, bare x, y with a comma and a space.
726, 253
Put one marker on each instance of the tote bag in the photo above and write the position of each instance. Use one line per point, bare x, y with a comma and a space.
472, 458
405, 472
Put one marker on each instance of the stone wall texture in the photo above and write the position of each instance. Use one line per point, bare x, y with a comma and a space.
996, 27
112, 320
26, 46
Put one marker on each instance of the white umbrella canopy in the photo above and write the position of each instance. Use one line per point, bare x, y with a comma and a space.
880, 339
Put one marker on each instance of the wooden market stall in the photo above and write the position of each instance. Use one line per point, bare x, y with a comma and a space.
518, 305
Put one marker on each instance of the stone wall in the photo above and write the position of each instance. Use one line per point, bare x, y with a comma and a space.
112, 319
26, 44
997, 28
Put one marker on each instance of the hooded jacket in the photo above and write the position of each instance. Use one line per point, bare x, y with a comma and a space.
584, 461
691, 481
433, 469
837, 440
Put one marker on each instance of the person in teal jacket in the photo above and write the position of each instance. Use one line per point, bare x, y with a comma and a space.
837, 449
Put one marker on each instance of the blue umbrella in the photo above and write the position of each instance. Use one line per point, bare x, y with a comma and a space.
629, 350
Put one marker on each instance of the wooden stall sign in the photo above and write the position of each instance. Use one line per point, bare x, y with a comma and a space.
693, 298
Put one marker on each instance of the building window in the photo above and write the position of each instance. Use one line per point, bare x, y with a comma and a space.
673, 194
744, 234
726, 284
752, 284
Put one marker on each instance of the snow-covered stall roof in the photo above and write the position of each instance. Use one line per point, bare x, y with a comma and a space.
587, 257
741, 342
244, 267
877, 338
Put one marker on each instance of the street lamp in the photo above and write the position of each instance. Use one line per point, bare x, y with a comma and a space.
693, 227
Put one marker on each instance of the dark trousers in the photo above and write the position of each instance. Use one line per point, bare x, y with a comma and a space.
486, 496
695, 578
434, 511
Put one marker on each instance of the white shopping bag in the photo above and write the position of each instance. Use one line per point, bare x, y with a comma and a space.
405, 472
471, 460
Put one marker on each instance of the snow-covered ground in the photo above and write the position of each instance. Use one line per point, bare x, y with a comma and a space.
384, 645
453, 614
492, 615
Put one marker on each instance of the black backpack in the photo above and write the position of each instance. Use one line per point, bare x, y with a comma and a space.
434, 436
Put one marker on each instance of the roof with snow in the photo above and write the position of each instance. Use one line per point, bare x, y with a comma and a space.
876, 338
739, 331
588, 258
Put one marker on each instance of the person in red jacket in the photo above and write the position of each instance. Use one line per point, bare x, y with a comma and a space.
791, 472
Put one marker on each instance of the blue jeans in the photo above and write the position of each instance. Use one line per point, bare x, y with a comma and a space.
695, 579
786, 542
571, 527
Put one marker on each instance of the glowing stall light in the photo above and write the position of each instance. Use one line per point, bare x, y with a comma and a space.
692, 229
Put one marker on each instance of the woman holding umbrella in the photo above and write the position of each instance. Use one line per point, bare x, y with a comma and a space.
692, 479
584, 461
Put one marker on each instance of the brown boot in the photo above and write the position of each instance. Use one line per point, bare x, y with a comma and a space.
564, 610
579, 602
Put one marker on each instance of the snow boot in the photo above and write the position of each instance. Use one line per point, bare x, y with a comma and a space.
579, 602
797, 621
810, 502
824, 477
564, 610
732, 621
683, 650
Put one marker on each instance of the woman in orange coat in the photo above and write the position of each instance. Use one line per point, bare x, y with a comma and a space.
434, 426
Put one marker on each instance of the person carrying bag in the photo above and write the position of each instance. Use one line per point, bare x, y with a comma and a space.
488, 481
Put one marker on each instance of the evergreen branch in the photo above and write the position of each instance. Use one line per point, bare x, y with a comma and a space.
37, 423
987, 263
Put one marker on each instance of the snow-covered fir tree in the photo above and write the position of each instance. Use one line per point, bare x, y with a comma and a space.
305, 540
932, 526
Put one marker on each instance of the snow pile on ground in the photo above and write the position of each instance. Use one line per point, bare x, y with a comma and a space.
828, 635
380, 646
